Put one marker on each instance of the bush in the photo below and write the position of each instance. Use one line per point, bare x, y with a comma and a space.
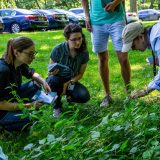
143, 6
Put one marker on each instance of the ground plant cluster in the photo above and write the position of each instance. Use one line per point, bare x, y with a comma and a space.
127, 129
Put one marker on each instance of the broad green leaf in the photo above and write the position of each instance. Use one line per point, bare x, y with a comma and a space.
99, 150
152, 129
104, 120
116, 114
37, 155
115, 147
117, 128
133, 150
50, 138
155, 143
28, 146
42, 141
95, 134
147, 154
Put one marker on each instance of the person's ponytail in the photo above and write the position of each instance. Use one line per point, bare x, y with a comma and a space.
9, 54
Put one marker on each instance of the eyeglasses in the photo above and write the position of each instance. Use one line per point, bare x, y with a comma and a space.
76, 39
30, 54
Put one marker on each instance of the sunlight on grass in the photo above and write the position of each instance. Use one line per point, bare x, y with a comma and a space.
149, 23
44, 47
137, 67
57, 37
155, 93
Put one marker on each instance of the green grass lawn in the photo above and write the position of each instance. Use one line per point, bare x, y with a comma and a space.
125, 130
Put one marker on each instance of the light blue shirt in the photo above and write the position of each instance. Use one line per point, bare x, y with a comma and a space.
155, 46
99, 16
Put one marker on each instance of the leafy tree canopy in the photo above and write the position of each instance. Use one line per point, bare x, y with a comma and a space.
66, 4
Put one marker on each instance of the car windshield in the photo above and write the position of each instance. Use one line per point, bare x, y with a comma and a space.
66, 12
77, 11
45, 11
25, 11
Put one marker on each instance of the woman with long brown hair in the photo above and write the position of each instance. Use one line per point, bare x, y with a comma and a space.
13, 65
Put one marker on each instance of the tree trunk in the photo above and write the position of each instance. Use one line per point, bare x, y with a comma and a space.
159, 4
151, 5
37, 4
133, 6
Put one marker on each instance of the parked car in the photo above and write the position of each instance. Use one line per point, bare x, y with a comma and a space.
131, 17
56, 19
79, 12
148, 14
1, 25
73, 18
16, 20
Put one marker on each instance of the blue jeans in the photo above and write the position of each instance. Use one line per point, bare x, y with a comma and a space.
78, 94
12, 121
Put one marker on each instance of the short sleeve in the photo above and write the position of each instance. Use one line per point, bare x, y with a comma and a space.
26, 71
85, 57
54, 54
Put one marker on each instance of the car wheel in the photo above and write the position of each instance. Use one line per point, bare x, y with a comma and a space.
15, 27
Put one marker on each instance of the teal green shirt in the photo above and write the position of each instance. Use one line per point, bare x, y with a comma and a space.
61, 54
99, 16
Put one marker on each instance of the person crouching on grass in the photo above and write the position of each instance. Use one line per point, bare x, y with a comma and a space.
13, 65
73, 54
137, 37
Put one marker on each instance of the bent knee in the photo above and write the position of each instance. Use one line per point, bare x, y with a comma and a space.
82, 96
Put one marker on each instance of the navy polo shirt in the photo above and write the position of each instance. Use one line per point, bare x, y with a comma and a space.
61, 54
11, 79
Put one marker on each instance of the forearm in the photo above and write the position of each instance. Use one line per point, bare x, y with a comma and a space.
117, 1
77, 78
38, 78
4, 105
81, 73
85, 6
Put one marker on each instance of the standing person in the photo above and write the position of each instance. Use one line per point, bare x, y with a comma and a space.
14, 64
73, 54
137, 37
102, 23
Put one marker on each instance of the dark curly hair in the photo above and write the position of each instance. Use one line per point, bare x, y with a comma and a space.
74, 28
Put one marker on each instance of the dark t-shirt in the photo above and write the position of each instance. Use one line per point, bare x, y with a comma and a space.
11, 79
60, 54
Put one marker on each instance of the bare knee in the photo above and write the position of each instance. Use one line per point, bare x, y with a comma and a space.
123, 58
103, 57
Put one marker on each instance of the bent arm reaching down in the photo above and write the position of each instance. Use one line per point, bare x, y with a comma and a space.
75, 79
40, 80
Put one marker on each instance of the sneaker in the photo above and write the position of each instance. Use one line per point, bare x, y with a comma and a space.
57, 112
106, 101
